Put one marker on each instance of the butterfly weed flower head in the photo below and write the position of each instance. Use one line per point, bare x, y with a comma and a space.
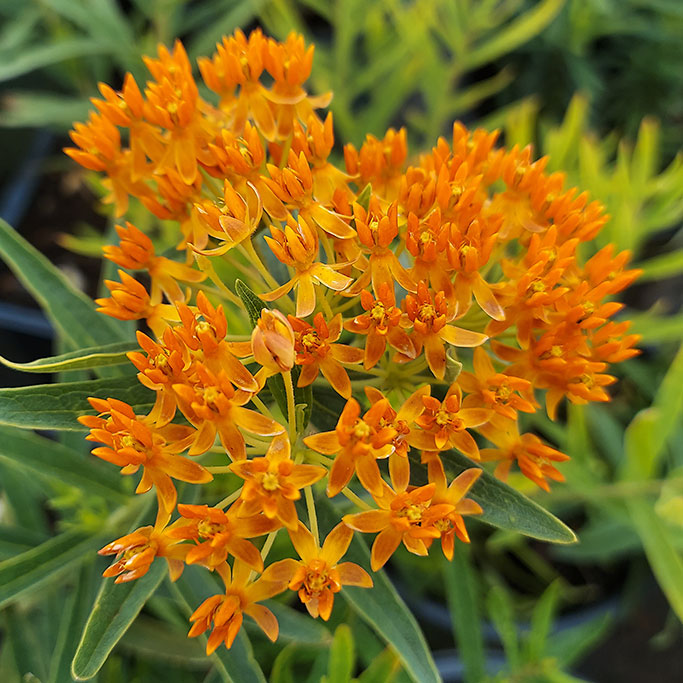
327, 332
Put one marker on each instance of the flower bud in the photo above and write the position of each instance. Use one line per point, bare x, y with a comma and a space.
272, 342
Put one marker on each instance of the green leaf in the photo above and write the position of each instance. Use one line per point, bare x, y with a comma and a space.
515, 34
70, 311
665, 559
463, 602
83, 359
297, 627
541, 622
75, 612
47, 54
503, 618
364, 195
383, 609
115, 609
506, 508
383, 668
664, 265
276, 384
50, 458
16, 539
236, 665
49, 560
38, 109
342, 659
56, 406
29, 656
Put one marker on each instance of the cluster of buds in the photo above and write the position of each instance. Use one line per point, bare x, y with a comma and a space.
438, 300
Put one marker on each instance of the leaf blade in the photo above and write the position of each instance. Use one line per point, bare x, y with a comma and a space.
56, 406
115, 609
70, 311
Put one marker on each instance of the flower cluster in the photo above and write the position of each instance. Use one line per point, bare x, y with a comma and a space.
438, 296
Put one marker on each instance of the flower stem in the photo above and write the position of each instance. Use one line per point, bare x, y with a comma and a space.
312, 516
254, 257
229, 499
291, 408
356, 500
268, 544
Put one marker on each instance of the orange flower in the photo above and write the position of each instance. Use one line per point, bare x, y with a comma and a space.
230, 221
401, 421
203, 331
379, 162
357, 444
316, 141
468, 252
381, 324
293, 186
164, 365
272, 342
272, 483
136, 252
377, 229
289, 64
136, 552
319, 575
534, 458
214, 407
445, 424
316, 351
174, 105
407, 517
297, 246
451, 524
131, 442
226, 611
218, 533
501, 392
430, 316
130, 301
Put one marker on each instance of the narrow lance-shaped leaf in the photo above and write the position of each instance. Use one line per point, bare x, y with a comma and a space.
57, 406
70, 311
83, 359
114, 611
302, 395
50, 458
382, 607
504, 507
49, 560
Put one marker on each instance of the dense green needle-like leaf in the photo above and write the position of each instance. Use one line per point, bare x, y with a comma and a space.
57, 406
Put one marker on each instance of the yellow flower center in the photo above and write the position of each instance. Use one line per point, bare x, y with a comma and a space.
211, 395
556, 351
207, 529
442, 418
203, 327
537, 286
310, 341
316, 581
503, 393
361, 430
378, 313
443, 525
427, 313
270, 481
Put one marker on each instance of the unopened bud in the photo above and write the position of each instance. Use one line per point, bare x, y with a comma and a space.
272, 342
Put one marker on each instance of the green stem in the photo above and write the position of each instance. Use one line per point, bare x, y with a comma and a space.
229, 499
291, 407
312, 516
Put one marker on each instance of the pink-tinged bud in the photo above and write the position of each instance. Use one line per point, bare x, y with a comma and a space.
272, 342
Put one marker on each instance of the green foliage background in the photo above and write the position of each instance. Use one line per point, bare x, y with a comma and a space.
595, 84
